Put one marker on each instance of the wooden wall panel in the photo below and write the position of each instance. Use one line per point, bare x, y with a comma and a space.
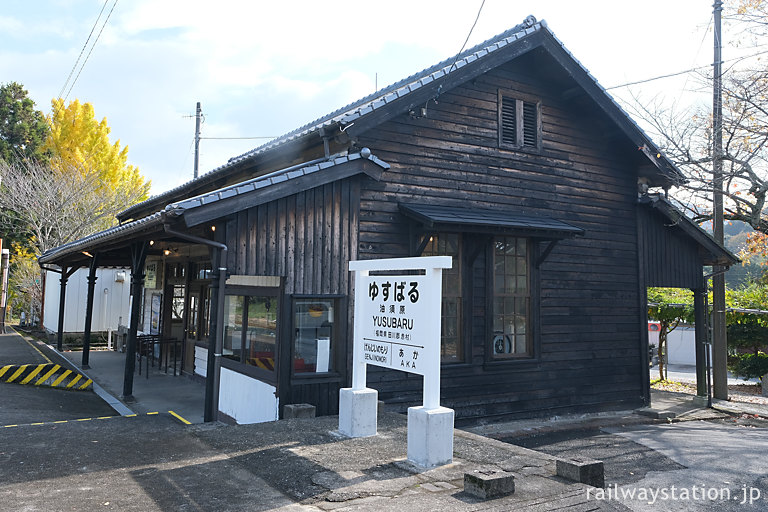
588, 340
307, 238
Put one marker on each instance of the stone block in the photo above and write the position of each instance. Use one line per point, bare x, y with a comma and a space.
299, 411
655, 413
430, 436
489, 483
585, 471
357, 412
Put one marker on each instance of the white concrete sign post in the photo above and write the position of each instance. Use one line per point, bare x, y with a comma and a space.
397, 325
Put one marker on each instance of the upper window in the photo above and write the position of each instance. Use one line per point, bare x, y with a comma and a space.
447, 244
519, 121
511, 298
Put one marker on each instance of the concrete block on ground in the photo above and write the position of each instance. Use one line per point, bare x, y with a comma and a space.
430, 436
700, 401
489, 483
299, 411
358, 412
585, 471
655, 413
764, 384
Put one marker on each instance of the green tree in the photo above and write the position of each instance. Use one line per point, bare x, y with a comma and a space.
23, 130
747, 330
670, 307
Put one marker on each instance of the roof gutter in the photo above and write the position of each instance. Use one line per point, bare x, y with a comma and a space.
214, 348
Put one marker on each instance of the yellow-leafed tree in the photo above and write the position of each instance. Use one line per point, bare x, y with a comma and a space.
79, 141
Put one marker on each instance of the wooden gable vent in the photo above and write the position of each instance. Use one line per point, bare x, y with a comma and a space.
518, 123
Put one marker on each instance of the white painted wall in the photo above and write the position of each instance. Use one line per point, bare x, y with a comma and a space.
245, 399
681, 344
201, 361
108, 306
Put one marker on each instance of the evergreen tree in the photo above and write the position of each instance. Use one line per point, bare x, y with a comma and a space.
23, 130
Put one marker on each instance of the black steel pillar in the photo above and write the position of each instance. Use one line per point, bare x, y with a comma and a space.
213, 327
215, 341
138, 257
702, 341
89, 312
62, 303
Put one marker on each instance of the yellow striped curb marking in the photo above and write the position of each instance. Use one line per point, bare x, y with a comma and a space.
62, 378
182, 420
179, 418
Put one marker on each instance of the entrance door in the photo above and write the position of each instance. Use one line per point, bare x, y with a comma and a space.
175, 312
193, 329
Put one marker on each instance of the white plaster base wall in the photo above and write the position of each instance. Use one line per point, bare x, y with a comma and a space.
246, 400
201, 361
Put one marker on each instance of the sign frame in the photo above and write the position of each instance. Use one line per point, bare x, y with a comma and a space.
427, 325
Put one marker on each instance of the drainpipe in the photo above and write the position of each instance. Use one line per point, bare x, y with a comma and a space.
214, 349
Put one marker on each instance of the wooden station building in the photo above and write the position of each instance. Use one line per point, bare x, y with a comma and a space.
509, 157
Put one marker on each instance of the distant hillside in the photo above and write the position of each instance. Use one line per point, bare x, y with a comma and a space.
735, 237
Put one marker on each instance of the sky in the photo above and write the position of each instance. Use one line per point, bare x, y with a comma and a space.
261, 69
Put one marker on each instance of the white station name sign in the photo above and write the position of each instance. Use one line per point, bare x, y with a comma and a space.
397, 324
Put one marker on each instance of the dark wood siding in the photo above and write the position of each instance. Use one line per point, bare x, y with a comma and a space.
308, 239
670, 259
588, 340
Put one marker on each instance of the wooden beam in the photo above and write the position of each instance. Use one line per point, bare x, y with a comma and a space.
543, 256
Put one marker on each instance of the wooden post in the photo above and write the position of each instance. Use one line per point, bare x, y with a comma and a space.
89, 312
138, 257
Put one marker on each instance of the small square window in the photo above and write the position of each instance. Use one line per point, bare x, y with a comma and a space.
250, 330
519, 121
315, 332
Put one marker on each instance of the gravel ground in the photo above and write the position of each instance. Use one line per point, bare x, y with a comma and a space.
746, 393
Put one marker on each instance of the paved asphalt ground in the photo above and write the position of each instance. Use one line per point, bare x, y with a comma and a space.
53, 461
718, 465
32, 404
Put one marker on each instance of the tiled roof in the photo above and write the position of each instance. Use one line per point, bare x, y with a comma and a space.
272, 179
83, 244
175, 209
374, 101
348, 114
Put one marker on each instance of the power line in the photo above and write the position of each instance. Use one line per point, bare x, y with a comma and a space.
482, 4
91, 50
440, 87
683, 72
63, 96
85, 45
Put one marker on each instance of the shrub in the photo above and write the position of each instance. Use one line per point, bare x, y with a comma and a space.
749, 366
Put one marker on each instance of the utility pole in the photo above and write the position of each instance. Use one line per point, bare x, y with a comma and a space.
719, 341
198, 114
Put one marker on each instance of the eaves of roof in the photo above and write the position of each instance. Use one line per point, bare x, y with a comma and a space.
83, 244
719, 254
